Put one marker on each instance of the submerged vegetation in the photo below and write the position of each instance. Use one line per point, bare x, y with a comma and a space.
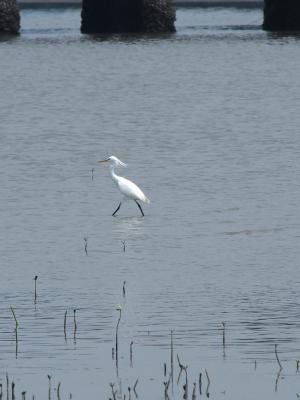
175, 379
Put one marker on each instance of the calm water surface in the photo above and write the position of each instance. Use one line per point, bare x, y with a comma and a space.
208, 122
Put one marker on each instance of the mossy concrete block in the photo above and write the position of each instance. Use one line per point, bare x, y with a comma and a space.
9, 17
127, 16
281, 15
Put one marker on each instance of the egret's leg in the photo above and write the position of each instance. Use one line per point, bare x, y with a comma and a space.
117, 209
140, 208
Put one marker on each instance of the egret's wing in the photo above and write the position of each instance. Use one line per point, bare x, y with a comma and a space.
131, 190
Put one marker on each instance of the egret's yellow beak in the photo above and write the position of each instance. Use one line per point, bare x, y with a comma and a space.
101, 161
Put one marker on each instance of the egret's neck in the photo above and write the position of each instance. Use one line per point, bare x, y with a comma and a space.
114, 176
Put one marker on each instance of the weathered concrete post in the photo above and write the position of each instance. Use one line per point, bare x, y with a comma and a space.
281, 15
9, 17
127, 16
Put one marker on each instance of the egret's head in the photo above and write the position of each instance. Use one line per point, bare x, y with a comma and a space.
112, 160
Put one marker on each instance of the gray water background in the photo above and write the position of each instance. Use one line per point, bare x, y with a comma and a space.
208, 122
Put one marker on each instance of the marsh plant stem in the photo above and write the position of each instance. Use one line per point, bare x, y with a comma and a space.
277, 358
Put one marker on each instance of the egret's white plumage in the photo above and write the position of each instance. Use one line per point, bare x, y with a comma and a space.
129, 189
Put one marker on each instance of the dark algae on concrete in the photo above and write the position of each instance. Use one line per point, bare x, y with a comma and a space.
127, 16
9, 17
281, 15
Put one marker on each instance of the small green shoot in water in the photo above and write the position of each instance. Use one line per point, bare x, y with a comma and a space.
14, 315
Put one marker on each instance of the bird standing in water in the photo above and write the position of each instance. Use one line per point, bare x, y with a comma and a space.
129, 189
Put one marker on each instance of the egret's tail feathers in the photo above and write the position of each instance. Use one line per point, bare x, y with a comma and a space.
146, 200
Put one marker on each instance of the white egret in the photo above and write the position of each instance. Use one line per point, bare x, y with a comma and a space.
129, 189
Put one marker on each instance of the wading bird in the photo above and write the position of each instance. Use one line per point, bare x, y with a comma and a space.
129, 189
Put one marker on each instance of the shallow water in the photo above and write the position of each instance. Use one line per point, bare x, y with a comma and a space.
207, 120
